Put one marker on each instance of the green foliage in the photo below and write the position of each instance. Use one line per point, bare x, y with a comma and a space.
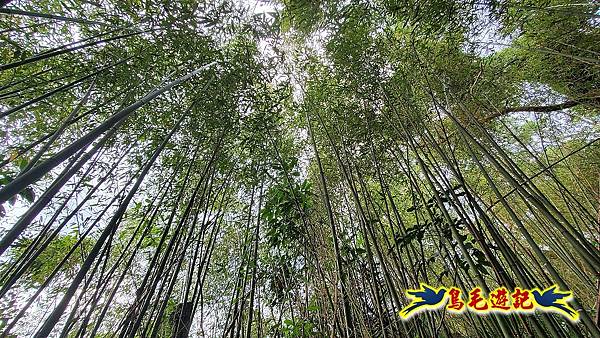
49, 259
287, 206
282, 215
299, 328
556, 46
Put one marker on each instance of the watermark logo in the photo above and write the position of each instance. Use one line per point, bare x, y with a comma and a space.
499, 300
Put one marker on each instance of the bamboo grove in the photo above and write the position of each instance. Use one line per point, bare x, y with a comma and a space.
290, 168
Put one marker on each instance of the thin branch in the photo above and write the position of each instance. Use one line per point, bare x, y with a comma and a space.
48, 16
539, 109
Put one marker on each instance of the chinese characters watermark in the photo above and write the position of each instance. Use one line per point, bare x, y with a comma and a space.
500, 300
